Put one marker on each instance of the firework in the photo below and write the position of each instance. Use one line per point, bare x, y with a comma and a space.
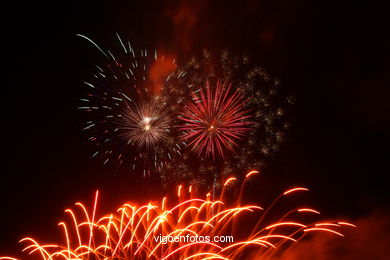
129, 112
214, 120
135, 231
262, 100
145, 124
149, 114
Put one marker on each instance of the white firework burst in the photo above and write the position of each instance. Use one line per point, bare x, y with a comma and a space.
130, 111
146, 124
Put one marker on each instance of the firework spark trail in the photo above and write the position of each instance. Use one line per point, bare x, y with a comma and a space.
215, 120
131, 231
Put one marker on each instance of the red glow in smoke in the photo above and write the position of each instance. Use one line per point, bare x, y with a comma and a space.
185, 18
160, 69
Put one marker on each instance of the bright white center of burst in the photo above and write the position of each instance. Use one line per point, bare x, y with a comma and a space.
146, 121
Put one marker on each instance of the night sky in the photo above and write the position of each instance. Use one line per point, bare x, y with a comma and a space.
332, 56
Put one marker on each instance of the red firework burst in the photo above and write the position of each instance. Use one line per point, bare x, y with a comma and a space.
215, 119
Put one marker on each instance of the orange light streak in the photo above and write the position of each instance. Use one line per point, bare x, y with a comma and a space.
136, 231
295, 190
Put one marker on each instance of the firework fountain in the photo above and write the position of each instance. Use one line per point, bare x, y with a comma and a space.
137, 231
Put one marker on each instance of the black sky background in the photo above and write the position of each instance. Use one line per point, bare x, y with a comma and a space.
333, 56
